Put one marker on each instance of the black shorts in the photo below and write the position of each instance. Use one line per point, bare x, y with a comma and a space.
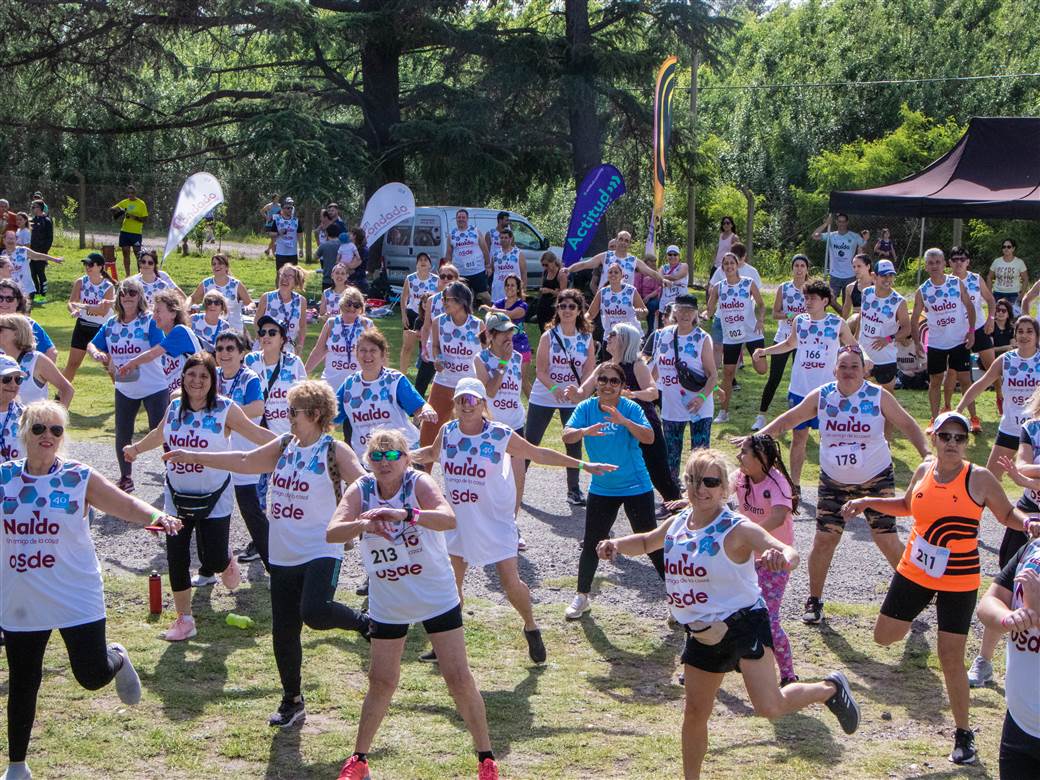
412, 317
478, 283
1007, 441
269, 227
983, 340
129, 239
748, 637
280, 260
832, 495
82, 333
953, 609
1012, 542
446, 621
884, 373
956, 358
731, 352
1019, 752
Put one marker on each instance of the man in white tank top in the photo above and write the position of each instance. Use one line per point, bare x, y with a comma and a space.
629, 263
950, 314
468, 252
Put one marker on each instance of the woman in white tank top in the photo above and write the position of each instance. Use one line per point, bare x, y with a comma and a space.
712, 590
416, 285
337, 342
17, 341
288, 305
727, 238
232, 289
617, 302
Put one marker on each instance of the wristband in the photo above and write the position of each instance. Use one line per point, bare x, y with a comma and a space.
503, 363
581, 465
890, 339
702, 396
553, 388
157, 516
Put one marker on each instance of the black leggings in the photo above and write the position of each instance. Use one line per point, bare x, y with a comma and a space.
424, 376
655, 455
538, 419
600, 514
248, 498
305, 594
93, 666
211, 540
126, 418
38, 271
777, 365
1019, 752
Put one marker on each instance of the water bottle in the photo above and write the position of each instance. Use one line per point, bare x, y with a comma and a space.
155, 593
239, 621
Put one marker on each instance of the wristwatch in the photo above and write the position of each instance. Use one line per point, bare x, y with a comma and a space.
409, 516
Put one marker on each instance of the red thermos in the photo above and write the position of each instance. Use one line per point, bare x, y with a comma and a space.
155, 593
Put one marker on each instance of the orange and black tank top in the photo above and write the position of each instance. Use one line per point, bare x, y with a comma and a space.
942, 552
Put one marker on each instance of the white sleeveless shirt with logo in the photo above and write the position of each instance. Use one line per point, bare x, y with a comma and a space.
372, 405
93, 295
417, 288
302, 503
674, 396
459, 344
436, 310
701, 581
877, 320
816, 353
127, 340
234, 387
504, 264
478, 481
20, 269
506, 407
410, 578
31, 389
465, 253
206, 333
50, 576
973, 284
628, 268
736, 308
945, 312
276, 403
230, 293
162, 282
853, 448
286, 313
615, 307
341, 349
563, 350
199, 431
1023, 657
10, 444
1019, 378
332, 299
669, 292
792, 302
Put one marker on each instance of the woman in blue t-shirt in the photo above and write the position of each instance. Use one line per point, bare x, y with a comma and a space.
612, 428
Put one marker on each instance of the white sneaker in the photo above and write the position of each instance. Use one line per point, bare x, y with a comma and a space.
980, 673
17, 771
578, 607
128, 684
202, 581
722, 416
759, 423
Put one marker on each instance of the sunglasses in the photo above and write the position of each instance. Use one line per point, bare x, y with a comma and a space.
449, 299
391, 455
226, 348
446, 277
128, 293
294, 412
353, 304
212, 303
946, 438
566, 307
12, 378
850, 348
269, 332
468, 400
708, 482
8, 298
1007, 246
613, 381
38, 429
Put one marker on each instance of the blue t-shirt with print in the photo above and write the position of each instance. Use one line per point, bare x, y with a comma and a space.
843, 247
616, 446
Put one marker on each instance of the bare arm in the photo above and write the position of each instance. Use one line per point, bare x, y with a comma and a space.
760, 308
903, 319
238, 422
585, 265
261, 460
992, 375
639, 305
647, 389
49, 373
105, 496
320, 348
915, 318
846, 306
794, 416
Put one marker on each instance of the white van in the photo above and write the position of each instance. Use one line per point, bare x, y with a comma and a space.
430, 230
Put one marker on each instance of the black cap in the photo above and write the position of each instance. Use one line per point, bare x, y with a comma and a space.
267, 319
94, 258
685, 300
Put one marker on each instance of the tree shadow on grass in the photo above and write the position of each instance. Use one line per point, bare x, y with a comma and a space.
648, 675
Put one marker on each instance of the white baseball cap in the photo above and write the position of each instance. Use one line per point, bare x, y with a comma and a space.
885, 268
955, 417
672, 249
470, 386
9, 365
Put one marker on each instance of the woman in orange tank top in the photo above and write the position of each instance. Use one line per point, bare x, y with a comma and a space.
946, 498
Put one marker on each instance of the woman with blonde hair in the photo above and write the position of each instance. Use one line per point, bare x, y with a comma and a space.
17, 340
337, 342
288, 305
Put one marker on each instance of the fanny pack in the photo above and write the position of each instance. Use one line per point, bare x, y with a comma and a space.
712, 632
691, 380
195, 506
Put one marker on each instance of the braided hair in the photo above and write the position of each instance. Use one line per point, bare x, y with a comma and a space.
767, 451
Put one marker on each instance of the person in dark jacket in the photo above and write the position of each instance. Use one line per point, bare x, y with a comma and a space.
41, 239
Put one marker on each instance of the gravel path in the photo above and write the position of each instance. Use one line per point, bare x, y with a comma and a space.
552, 530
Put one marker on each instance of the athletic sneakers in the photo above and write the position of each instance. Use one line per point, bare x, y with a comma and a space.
722, 416
249, 554
976, 425
232, 575
17, 770
842, 704
290, 712
354, 769
578, 607
813, 612
429, 657
575, 498
521, 544
759, 423
128, 684
535, 645
126, 484
964, 747
183, 628
488, 770
202, 580
736, 386
980, 673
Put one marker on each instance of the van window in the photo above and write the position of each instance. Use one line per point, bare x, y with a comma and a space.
524, 236
400, 234
427, 231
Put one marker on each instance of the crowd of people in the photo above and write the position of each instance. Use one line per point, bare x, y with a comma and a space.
240, 422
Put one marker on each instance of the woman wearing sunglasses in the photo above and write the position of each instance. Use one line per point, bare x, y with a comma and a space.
616, 302
12, 301
234, 291
337, 342
416, 285
946, 498
12, 376
178, 340
513, 305
432, 307
90, 302
54, 580
401, 517
211, 321
713, 592
152, 279
288, 306
307, 468
565, 359
16, 340
200, 419
131, 332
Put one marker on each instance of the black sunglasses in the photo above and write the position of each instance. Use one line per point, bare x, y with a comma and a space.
225, 348
8, 298
57, 431
146, 262
708, 482
269, 332
946, 438
355, 304
128, 293
566, 307
608, 380
446, 277
1008, 246
12, 378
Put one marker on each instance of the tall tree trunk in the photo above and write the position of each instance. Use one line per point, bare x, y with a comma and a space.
381, 81
586, 130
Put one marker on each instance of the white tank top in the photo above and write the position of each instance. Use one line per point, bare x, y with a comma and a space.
973, 283
816, 353
162, 282
199, 431
465, 253
944, 309
615, 307
1023, 658
50, 576
669, 292
563, 350
725, 245
853, 447
459, 344
20, 269
1031, 428
31, 389
792, 302
410, 578
736, 307
674, 396
10, 444
302, 503
230, 293
276, 403
234, 387
877, 320
93, 295
436, 310
206, 333
371, 405
506, 407
417, 288
504, 264
701, 580
127, 340
331, 298
341, 355
1019, 378
286, 313
628, 268
478, 481
173, 365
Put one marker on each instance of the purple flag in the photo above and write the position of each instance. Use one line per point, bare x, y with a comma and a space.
601, 187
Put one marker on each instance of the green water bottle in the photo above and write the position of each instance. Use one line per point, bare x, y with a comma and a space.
239, 621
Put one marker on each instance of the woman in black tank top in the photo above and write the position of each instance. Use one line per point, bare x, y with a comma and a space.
551, 286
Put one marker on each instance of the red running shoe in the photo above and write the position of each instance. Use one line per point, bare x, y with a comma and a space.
356, 769
976, 425
488, 770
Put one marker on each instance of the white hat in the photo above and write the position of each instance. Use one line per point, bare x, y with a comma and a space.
885, 268
947, 416
9, 365
672, 248
470, 386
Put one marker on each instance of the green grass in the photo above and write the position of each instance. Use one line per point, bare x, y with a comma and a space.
605, 706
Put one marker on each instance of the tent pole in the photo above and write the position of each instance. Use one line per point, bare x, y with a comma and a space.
920, 251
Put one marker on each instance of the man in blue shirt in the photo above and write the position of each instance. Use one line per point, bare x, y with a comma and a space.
287, 236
